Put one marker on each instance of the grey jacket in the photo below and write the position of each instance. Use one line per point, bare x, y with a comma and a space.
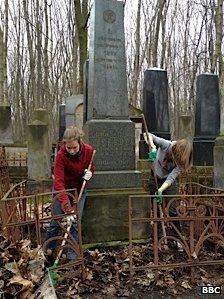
170, 171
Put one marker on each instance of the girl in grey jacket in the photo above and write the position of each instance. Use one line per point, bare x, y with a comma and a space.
173, 157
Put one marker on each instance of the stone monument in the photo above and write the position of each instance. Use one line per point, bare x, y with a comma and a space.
108, 127
39, 153
207, 118
155, 106
218, 150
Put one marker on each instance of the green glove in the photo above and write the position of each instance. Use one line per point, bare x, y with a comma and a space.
152, 155
159, 197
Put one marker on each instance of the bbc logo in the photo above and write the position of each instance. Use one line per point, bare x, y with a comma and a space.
211, 290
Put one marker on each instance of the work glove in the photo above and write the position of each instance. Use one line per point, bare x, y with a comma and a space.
159, 197
66, 206
152, 155
87, 175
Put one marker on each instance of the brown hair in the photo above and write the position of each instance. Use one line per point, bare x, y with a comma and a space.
183, 154
73, 133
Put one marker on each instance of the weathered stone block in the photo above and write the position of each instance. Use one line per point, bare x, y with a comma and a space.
38, 152
116, 179
105, 216
114, 141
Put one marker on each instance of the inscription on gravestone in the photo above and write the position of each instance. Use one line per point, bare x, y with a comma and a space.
107, 90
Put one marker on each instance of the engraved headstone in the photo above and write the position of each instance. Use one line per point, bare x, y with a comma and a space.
207, 118
107, 81
108, 127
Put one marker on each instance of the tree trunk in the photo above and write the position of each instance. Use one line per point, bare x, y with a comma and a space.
81, 14
218, 59
137, 57
161, 4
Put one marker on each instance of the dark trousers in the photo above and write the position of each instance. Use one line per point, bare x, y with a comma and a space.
54, 229
154, 185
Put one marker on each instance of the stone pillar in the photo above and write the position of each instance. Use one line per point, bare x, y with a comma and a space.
41, 115
185, 127
39, 167
207, 118
155, 106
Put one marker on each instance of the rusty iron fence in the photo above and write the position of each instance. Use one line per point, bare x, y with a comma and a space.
4, 173
194, 222
17, 158
28, 217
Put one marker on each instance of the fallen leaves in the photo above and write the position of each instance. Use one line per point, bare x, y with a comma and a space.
20, 269
106, 272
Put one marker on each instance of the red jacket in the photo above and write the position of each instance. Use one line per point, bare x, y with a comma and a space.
69, 170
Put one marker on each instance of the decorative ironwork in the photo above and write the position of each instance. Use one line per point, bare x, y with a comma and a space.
28, 216
191, 221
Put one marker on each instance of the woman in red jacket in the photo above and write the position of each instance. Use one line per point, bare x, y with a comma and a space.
70, 170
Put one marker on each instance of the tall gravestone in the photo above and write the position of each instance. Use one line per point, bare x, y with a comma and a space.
155, 106
108, 127
207, 118
218, 150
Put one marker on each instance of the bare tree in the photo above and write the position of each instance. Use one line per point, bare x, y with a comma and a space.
137, 56
81, 14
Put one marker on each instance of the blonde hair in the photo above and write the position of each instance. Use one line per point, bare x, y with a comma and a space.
73, 133
183, 154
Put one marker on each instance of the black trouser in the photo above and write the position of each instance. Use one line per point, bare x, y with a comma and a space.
154, 185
